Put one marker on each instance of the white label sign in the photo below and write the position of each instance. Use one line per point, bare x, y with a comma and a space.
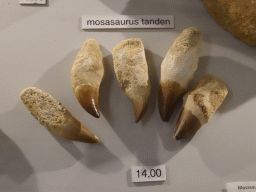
127, 21
241, 187
32, 1
148, 173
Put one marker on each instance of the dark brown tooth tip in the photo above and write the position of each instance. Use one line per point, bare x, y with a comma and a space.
165, 103
187, 125
168, 96
140, 108
87, 136
88, 99
88, 139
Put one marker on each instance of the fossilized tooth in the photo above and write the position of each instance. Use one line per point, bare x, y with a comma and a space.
132, 74
87, 74
199, 105
177, 70
55, 117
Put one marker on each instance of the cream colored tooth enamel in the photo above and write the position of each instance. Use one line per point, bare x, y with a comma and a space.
55, 117
87, 74
181, 61
178, 68
188, 100
205, 98
132, 73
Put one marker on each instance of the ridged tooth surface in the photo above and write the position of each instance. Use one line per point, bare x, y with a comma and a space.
132, 74
199, 105
177, 70
55, 117
87, 74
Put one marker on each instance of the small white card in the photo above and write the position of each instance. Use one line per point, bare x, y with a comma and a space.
148, 173
127, 21
32, 1
241, 187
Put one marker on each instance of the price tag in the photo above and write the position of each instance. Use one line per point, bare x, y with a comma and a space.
148, 173
32, 1
241, 187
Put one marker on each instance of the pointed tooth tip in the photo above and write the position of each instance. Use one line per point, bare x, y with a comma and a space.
187, 125
140, 107
179, 136
175, 136
91, 140
166, 114
165, 119
87, 96
94, 140
91, 107
168, 97
94, 112
87, 136
97, 141
138, 116
137, 119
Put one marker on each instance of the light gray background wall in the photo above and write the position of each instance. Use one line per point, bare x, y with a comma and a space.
38, 45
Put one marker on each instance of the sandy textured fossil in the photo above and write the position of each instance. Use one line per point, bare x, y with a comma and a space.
55, 117
132, 74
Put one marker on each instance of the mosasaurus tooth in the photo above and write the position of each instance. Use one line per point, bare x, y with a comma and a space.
87, 74
55, 117
199, 105
177, 70
132, 74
